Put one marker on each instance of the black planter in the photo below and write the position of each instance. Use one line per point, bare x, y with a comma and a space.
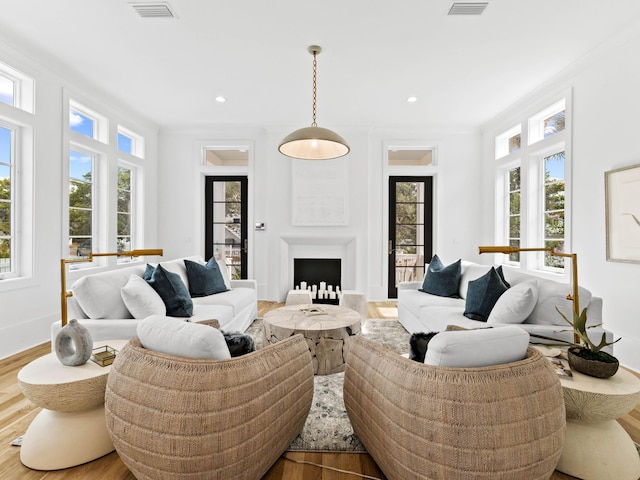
602, 366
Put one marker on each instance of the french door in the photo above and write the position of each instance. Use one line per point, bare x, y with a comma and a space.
226, 222
410, 240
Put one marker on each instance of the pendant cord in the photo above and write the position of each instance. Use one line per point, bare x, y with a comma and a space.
315, 66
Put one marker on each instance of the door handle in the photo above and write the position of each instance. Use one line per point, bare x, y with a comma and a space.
391, 249
246, 245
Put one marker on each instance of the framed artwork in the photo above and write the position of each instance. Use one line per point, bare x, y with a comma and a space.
622, 197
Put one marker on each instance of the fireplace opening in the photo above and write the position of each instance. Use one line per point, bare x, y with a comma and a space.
321, 275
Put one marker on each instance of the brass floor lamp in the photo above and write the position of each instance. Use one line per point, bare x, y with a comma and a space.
64, 294
551, 251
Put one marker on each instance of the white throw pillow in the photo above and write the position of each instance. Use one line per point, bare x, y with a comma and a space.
174, 336
516, 304
554, 294
141, 299
225, 273
478, 348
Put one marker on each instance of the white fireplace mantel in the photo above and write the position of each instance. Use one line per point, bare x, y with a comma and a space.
317, 246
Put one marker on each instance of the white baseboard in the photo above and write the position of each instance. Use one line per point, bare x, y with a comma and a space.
26, 334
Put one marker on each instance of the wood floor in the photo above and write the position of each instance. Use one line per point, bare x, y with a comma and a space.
16, 413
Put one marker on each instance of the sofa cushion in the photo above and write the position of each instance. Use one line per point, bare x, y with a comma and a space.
225, 272
414, 300
141, 299
470, 271
478, 348
442, 280
516, 304
173, 292
99, 294
236, 298
185, 339
482, 295
222, 313
437, 318
204, 279
554, 294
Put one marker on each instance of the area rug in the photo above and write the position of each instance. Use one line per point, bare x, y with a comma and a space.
327, 428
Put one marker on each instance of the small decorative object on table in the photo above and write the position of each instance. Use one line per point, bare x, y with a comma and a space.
104, 355
587, 357
312, 311
73, 344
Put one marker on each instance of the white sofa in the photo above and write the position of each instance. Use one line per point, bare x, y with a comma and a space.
530, 303
234, 309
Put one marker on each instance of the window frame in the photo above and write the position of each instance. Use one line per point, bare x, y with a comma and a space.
530, 157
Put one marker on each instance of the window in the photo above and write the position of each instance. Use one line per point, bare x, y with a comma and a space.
125, 209
6, 200
508, 142
514, 212
533, 166
554, 189
104, 173
87, 122
16, 88
7, 90
81, 203
130, 142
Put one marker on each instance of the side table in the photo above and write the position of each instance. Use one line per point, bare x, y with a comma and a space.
596, 446
70, 429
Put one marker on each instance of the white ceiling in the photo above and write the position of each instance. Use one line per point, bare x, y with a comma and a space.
464, 69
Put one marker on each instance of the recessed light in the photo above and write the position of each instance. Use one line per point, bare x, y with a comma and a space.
412, 99
220, 99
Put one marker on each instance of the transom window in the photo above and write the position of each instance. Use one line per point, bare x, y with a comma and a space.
16, 88
7, 90
130, 142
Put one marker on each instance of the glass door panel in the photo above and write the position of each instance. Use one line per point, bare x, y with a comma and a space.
226, 223
410, 229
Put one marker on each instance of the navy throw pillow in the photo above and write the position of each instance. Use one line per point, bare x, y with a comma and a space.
204, 279
501, 273
482, 295
173, 292
442, 281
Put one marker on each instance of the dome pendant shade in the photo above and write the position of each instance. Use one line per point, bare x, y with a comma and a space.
314, 143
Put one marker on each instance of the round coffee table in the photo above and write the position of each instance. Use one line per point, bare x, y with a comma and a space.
70, 429
596, 446
325, 331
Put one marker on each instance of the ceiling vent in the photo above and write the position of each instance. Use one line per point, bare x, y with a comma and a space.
476, 8
154, 10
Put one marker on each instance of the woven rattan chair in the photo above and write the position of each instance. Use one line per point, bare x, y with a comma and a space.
423, 422
176, 418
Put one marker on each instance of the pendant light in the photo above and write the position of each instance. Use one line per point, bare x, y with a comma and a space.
314, 143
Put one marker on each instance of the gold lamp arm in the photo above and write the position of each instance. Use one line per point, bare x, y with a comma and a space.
64, 294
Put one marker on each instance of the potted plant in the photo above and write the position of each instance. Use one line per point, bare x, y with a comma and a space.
587, 357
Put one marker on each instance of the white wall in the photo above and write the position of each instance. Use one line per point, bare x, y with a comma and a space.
29, 306
181, 223
605, 130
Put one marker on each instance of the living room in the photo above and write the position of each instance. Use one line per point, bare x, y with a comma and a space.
598, 83
475, 78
